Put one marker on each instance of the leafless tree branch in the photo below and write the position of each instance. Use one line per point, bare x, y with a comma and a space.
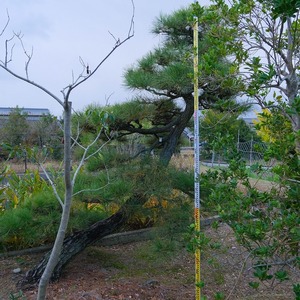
7, 59
29, 56
52, 185
118, 42
6, 25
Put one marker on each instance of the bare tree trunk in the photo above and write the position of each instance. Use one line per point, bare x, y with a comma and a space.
52, 261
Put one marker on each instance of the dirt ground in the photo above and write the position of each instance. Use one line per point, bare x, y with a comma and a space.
144, 271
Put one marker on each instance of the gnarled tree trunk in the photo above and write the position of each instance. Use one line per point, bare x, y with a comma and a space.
78, 241
171, 141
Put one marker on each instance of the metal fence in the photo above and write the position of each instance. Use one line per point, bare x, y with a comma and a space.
251, 151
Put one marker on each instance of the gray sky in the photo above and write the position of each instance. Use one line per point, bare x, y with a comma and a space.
62, 30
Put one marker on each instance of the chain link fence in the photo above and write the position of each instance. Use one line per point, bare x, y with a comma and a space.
251, 151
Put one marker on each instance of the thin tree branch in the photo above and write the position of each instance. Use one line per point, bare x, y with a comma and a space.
52, 185
97, 189
118, 43
239, 276
6, 25
32, 83
8, 60
29, 56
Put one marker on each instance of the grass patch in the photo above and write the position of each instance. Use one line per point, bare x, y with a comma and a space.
264, 174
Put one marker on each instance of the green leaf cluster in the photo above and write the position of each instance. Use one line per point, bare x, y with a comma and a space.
284, 8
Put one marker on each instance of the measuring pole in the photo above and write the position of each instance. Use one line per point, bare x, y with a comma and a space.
196, 159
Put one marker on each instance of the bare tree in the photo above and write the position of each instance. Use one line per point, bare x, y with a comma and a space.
65, 102
264, 38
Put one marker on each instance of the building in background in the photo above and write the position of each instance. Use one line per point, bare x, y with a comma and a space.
32, 114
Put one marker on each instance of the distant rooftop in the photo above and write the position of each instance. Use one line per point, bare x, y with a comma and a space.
33, 114
5, 111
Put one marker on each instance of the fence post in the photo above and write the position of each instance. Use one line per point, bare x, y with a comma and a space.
25, 161
251, 151
213, 158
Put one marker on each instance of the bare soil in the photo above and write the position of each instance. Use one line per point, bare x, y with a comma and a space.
143, 271
20, 166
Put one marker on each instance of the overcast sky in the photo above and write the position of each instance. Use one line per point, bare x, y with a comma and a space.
61, 31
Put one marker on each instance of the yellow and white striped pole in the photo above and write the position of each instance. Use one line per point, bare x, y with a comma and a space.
196, 159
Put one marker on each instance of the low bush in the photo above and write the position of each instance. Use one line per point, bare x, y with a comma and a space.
35, 222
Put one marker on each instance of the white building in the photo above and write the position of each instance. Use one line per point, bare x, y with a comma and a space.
32, 114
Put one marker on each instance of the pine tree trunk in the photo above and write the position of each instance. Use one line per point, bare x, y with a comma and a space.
77, 242
171, 141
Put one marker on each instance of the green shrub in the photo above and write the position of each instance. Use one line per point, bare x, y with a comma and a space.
13, 224
105, 192
43, 203
91, 184
36, 221
82, 217
33, 223
20, 188
106, 158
